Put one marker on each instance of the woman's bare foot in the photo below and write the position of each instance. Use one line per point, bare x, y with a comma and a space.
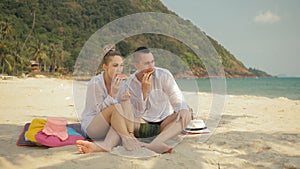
131, 143
85, 147
159, 147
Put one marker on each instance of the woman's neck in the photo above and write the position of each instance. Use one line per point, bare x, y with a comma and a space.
107, 81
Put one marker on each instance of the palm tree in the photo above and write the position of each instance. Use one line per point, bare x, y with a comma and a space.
37, 50
60, 55
6, 59
56, 55
32, 27
5, 30
7, 51
44, 59
19, 61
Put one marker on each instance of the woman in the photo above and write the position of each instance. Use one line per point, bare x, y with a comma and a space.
103, 117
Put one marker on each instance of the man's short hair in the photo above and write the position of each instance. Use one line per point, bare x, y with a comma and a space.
137, 51
142, 49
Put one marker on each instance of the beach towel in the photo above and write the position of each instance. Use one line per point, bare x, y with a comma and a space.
23, 141
76, 127
35, 126
55, 141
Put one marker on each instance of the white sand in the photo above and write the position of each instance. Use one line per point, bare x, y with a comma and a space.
254, 132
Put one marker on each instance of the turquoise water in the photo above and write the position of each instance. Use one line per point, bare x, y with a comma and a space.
267, 87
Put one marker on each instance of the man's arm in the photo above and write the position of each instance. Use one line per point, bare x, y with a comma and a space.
176, 99
185, 117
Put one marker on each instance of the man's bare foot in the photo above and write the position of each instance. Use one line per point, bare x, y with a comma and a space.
159, 147
131, 143
85, 147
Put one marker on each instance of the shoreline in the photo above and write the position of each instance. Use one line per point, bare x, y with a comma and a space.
41, 76
254, 132
263, 87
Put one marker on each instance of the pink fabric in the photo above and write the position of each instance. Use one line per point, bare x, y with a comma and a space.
56, 127
54, 141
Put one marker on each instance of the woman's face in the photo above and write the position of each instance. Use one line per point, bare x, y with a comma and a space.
114, 67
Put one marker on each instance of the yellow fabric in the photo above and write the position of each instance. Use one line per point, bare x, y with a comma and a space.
35, 126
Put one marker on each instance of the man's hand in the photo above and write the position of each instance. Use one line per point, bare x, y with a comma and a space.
185, 117
146, 84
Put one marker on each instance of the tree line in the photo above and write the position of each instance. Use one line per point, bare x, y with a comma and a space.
50, 34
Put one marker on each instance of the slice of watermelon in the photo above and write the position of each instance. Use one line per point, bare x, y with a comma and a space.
121, 76
143, 72
150, 70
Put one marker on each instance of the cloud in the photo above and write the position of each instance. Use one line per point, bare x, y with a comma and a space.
267, 17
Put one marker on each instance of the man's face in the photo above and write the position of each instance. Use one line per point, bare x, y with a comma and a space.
146, 61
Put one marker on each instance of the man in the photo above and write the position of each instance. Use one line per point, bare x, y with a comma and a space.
156, 100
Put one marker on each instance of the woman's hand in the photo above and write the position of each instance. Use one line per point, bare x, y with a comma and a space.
115, 86
125, 96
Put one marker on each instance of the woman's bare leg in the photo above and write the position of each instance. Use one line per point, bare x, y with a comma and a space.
100, 128
125, 126
128, 115
100, 125
111, 116
111, 140
85, 147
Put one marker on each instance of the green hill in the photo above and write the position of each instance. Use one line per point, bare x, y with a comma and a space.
52, 33
258, 73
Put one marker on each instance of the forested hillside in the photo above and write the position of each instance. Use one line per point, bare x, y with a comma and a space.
50, 34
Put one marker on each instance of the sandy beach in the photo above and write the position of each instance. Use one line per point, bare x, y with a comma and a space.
254, 132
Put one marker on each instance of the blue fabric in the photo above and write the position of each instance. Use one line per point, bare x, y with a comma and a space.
73, 132
22, 140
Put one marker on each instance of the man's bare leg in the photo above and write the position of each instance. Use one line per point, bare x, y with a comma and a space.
170, 128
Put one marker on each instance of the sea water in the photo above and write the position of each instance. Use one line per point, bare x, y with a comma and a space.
267, 87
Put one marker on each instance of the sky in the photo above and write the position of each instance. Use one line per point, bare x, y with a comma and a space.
263, 34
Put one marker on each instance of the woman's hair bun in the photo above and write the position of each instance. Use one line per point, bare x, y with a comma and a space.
107, 48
